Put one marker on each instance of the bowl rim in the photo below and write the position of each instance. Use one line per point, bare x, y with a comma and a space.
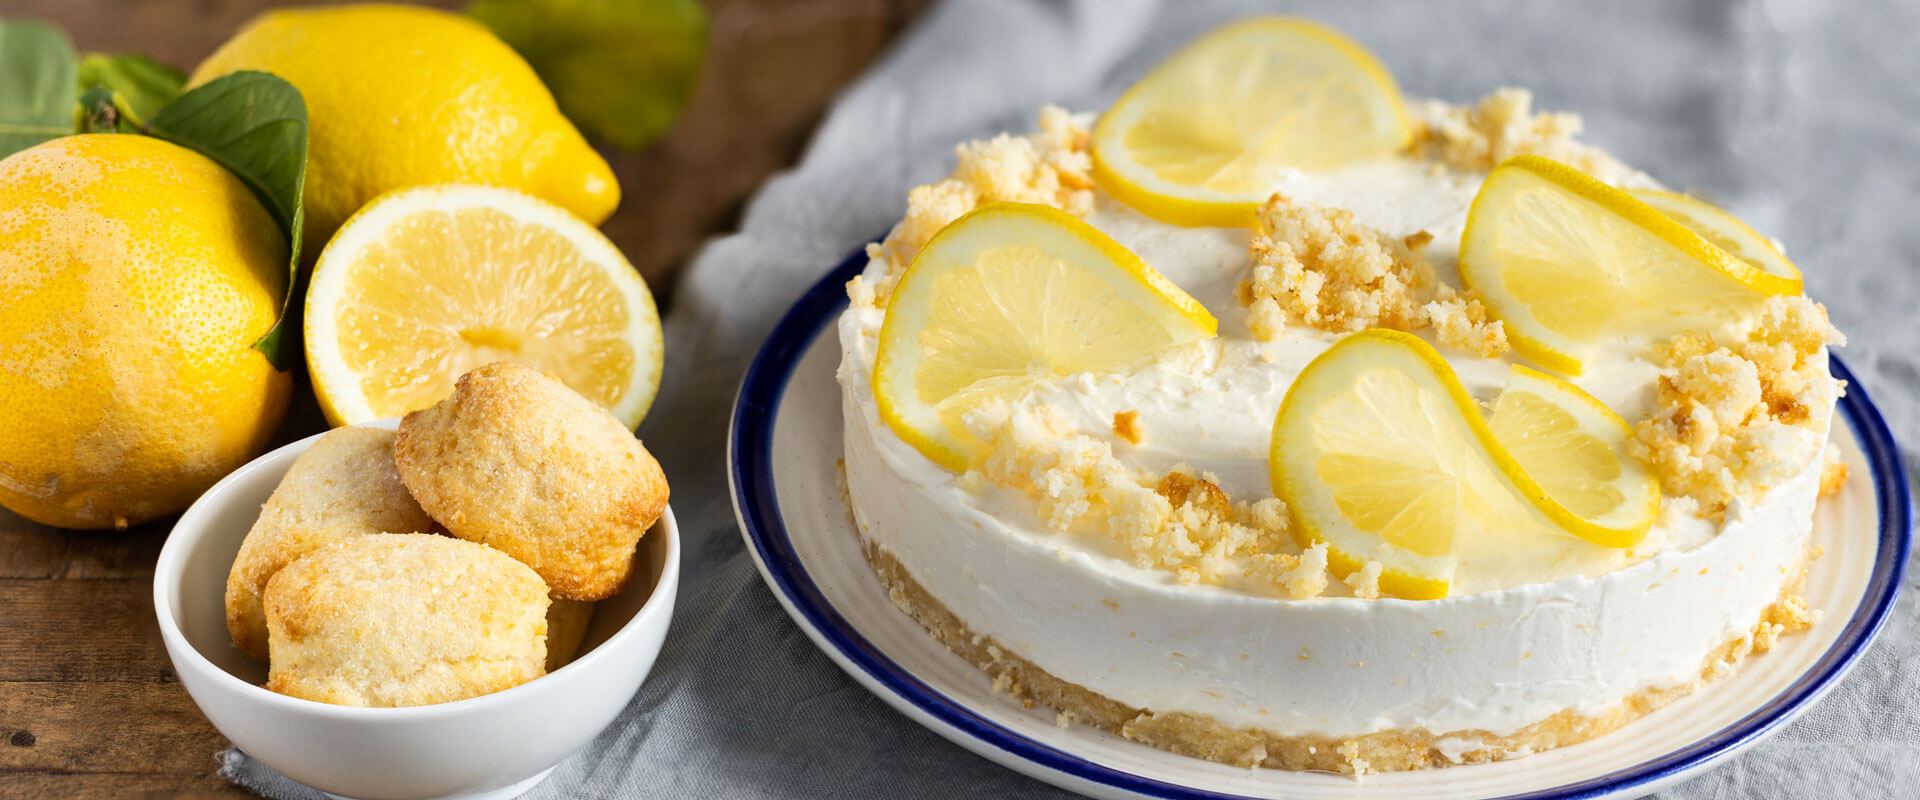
173, 556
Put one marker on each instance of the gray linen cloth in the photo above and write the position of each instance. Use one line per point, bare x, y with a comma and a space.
1799, 116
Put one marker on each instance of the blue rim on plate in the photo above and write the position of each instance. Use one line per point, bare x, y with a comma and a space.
750, 462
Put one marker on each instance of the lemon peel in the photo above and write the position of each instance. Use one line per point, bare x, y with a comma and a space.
1726, 231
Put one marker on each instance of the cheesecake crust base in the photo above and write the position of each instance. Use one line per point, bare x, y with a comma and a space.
1203, 736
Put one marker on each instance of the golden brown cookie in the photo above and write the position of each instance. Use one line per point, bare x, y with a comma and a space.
344, 485
567, 622
404, 619
516, 460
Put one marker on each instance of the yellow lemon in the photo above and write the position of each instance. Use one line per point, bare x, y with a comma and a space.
429, 282
1007, 297
400, 96
135, 276
1380, 453
1567, 262
1201, 139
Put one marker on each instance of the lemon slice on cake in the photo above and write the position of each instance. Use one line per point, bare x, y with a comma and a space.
1382, 455
1201, 139
424, 284
1726, 231
1568, 262
1007, 297
1567, 453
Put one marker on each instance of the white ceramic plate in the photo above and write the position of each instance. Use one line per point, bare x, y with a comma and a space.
783, 453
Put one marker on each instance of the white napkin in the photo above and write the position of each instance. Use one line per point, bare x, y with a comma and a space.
1799, 116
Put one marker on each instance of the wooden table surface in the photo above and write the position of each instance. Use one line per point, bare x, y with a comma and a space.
89, 706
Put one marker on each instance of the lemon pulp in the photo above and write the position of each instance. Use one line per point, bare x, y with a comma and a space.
429, 283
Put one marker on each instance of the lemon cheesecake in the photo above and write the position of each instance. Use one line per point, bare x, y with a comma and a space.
1273, 419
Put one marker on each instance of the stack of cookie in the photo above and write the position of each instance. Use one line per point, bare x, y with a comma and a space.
456, 556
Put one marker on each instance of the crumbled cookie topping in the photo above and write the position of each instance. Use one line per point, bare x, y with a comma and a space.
1320, 266
860, 293
1182, 521
1833, 472
1298, 577
1333, 273
1460, 320
1503, 124
1052, 167
1730, 418
1365, 582
1789, 615
1126, 425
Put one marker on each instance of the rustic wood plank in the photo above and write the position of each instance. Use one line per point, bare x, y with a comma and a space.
772, 67
210, 786
83, 631
64, 727
29, 549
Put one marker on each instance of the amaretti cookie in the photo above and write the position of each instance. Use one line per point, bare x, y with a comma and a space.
404, 620
516, 460
345, 485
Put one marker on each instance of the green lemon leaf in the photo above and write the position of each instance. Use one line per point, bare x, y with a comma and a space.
36, 84
255, 125
139, 86
622, 70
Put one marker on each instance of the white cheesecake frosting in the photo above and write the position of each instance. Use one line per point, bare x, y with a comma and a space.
1534, 626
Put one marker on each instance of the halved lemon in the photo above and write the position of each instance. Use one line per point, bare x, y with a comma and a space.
424, 284
1005, 298
1568, 262
1200, 140
1381, 454
1728, 233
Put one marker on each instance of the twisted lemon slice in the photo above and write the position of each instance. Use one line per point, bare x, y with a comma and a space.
1724, 230
1381, 454
1569, 452
1567, 262
1200, 139
1007, 297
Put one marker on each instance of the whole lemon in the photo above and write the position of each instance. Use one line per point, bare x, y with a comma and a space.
400, 96
135, 276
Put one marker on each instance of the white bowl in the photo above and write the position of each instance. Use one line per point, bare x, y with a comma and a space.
493, 746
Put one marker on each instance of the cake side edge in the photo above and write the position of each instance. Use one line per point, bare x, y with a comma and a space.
1202, 736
